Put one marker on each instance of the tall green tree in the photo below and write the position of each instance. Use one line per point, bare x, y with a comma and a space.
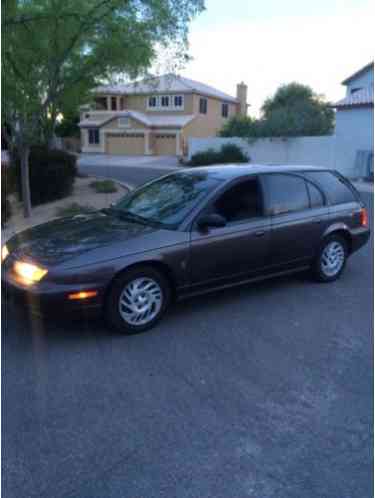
294, 111
54, 52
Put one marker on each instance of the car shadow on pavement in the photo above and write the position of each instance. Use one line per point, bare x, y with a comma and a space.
24, 327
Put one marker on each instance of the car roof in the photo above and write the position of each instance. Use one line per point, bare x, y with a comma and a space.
231, 171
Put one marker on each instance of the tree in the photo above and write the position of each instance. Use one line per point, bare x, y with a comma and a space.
295, 110
239, 126
54, 52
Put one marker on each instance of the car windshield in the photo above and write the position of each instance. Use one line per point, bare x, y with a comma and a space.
169, 200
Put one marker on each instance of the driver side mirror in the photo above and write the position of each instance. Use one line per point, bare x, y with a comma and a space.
212, 220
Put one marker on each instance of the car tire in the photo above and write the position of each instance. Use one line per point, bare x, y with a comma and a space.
137, 300
331, 259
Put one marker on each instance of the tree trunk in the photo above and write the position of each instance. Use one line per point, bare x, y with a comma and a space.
25, 181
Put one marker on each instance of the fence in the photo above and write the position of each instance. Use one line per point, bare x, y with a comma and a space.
318, 151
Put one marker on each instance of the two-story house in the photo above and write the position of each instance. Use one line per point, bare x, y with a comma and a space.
354, 132
156, 116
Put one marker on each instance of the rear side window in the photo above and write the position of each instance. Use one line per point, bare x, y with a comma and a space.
335, 187
316, 196
286, 193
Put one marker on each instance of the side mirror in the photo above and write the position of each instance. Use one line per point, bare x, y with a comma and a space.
212, 220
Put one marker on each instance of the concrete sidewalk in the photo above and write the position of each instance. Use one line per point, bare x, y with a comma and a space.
83, 194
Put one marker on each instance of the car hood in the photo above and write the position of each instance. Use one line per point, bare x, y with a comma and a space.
62, 240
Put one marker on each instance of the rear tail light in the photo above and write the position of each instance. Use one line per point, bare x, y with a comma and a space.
364, 217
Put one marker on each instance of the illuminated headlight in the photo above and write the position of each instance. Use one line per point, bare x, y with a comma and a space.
29, 274
4, 253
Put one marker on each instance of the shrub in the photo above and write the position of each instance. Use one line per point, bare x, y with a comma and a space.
73, 209
104, 186
229, 153
52, 175
205, 158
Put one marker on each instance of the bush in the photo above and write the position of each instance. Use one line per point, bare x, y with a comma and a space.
52, 175
104, 186
229, 153
205, 158
73, 209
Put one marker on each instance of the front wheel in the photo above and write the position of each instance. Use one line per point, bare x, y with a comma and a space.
331, 259
137, 300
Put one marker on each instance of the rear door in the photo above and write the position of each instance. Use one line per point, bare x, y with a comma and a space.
237, 250
299, 217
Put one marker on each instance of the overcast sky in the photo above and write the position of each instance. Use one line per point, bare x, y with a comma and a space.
266, 43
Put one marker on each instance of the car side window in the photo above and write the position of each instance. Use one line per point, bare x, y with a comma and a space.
336, 189
241, 202
316, 196
286, 193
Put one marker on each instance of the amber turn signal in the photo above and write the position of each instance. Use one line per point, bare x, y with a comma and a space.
82, 295
364, 217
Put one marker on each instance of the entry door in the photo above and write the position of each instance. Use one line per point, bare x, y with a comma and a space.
299, 217
238, 250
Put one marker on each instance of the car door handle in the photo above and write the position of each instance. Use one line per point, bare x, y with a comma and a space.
259, 233
319, 220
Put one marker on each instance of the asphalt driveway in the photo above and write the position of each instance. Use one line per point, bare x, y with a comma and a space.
263, 391
133, 170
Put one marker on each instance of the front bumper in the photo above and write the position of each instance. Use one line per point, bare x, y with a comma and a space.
49, 299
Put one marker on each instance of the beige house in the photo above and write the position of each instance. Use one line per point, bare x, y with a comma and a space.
156, 116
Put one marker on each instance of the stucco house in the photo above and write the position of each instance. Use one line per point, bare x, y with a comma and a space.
355, 124
155, 116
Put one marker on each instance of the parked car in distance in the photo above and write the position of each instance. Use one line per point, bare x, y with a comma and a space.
190, 232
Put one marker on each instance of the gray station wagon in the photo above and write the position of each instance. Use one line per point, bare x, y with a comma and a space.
187, 233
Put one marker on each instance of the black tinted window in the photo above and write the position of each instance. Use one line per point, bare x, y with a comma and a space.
316, 196
335, 188
240, 202
286, 193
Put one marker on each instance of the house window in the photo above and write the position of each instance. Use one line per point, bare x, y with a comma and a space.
94, 138
224, 110
165, 101
113, 103
122, 103
353, 90
203, 106
178, 101
152, 102
101, 103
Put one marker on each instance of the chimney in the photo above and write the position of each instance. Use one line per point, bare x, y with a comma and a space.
242, 97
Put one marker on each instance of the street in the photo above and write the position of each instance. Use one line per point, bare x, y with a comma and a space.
262, 391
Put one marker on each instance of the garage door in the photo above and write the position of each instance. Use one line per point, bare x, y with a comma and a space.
130, 145
165, 145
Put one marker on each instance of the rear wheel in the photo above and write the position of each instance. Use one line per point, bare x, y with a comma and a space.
331, 260
137, 300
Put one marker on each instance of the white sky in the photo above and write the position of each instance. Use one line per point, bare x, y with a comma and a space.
269, 48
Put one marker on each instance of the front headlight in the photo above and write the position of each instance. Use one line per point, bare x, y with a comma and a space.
4, 253
29, 274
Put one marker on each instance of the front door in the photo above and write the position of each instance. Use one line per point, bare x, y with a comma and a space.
236, 251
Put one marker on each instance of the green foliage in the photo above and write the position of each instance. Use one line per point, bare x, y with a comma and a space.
68, 127
239, 126
104, 186
294, 111
52, 174
73, 209
229, 153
